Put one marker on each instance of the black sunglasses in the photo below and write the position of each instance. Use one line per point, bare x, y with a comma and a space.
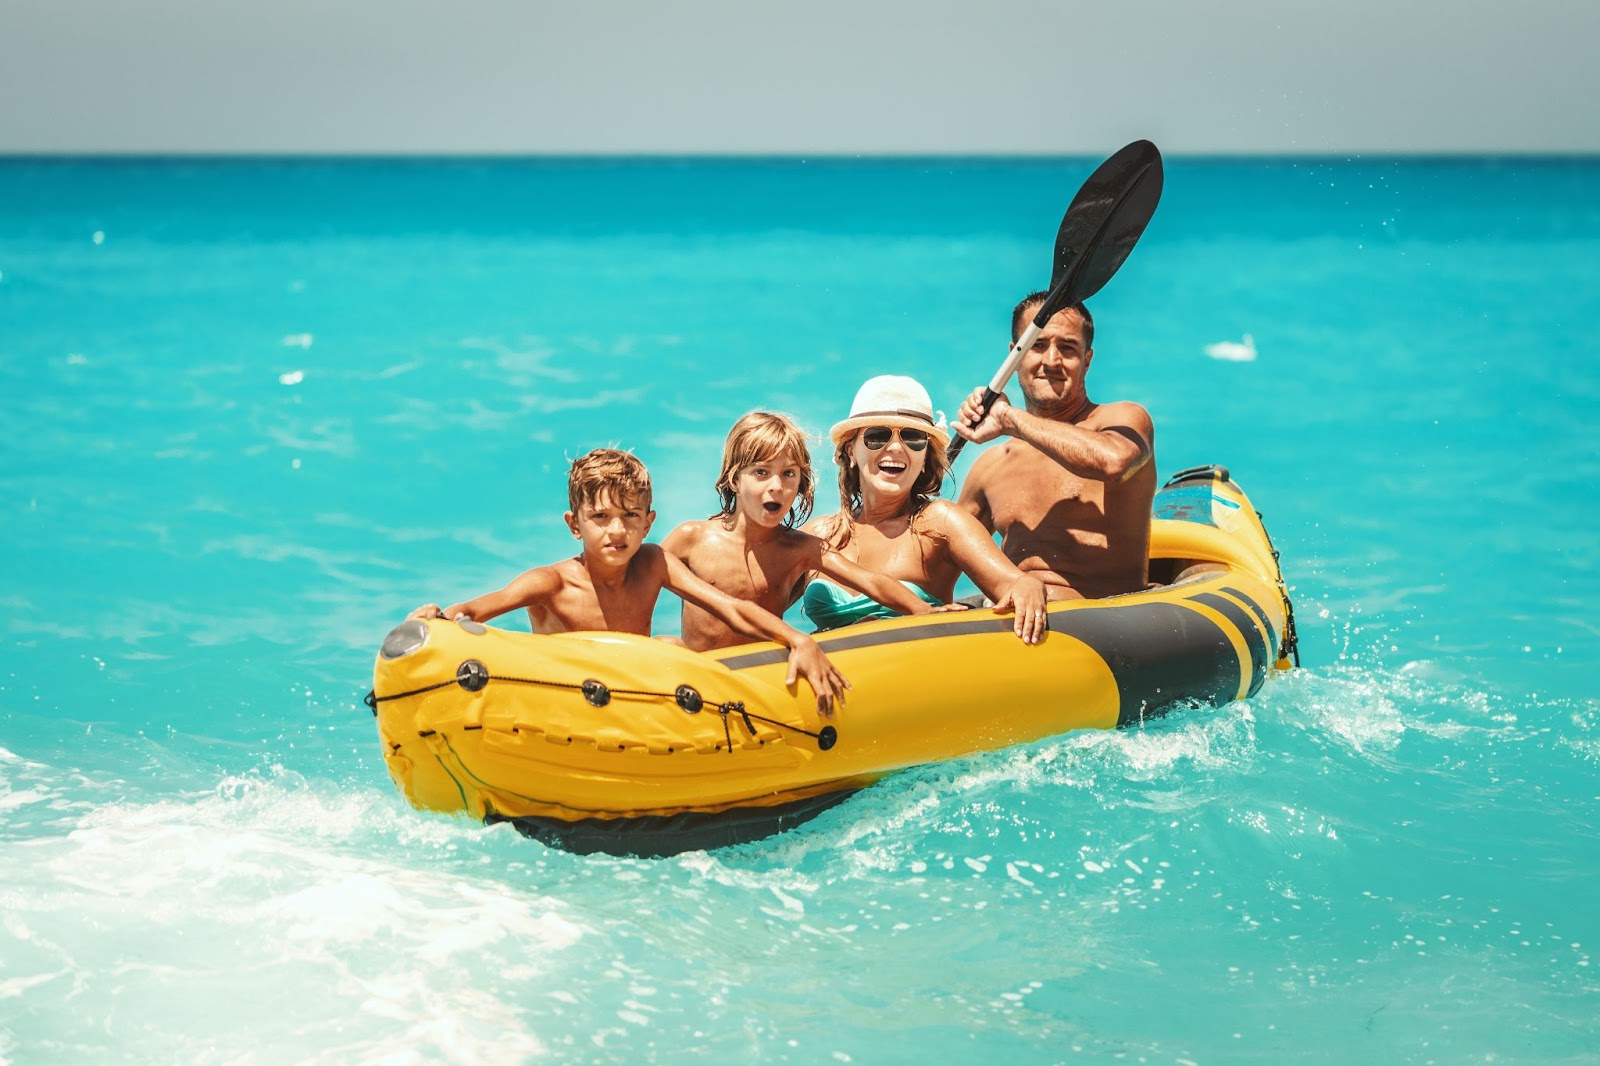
878, 437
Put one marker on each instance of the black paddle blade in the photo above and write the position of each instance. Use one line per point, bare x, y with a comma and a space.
1104, 222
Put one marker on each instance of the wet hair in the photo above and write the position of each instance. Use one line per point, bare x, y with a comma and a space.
762, 436
1020, 316
934, 468
608, 470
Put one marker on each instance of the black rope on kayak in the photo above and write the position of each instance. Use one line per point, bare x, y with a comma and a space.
1291, 638
372, 698
826, 737
470, 675
596, 692
473, 676
1290, 646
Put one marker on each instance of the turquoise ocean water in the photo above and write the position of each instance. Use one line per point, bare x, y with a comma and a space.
255, 411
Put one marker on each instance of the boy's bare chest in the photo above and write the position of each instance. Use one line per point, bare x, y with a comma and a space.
582, 606
746, 573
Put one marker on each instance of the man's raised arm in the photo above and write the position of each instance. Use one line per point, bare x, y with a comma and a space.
1109, 452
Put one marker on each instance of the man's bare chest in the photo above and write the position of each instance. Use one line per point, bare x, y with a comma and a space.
1030, 488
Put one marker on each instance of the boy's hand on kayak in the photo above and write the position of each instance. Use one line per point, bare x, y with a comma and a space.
806, 660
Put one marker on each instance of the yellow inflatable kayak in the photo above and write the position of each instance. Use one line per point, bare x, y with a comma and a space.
623, 744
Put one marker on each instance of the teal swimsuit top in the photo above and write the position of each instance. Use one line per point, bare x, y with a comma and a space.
829, 606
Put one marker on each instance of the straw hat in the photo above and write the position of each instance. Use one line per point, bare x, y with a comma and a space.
892, 400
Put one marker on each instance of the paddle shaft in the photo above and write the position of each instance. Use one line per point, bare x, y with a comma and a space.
997, 384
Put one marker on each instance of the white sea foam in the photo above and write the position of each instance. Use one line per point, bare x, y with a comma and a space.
1370, 723
278, 885
12, 800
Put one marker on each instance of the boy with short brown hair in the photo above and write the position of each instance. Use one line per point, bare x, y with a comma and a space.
613, 583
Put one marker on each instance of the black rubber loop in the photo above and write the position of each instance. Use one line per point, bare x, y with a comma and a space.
827, 738
596, 693
690, 700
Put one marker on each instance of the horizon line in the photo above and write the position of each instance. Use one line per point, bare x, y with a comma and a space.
230, 156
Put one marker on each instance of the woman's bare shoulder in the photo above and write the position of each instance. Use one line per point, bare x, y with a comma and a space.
939, 512
944, 519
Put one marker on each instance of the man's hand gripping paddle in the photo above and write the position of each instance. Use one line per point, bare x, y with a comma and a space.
1101, 226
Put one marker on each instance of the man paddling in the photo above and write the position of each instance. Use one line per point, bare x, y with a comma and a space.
1070, 492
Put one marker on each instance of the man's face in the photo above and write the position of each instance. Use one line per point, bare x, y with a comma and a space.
1051, 372
611, 529
766, 490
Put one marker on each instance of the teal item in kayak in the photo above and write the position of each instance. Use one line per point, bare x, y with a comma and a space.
829, 606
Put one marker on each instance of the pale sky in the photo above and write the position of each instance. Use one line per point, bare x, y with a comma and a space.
800, 78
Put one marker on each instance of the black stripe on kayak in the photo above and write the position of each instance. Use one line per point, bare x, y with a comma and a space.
1254, 639
1159, 653
657, 836
1266, 626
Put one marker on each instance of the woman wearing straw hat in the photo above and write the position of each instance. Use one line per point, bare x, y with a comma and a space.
890, 454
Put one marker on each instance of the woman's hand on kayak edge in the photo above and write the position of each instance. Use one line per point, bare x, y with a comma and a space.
806, 660
1027, 597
